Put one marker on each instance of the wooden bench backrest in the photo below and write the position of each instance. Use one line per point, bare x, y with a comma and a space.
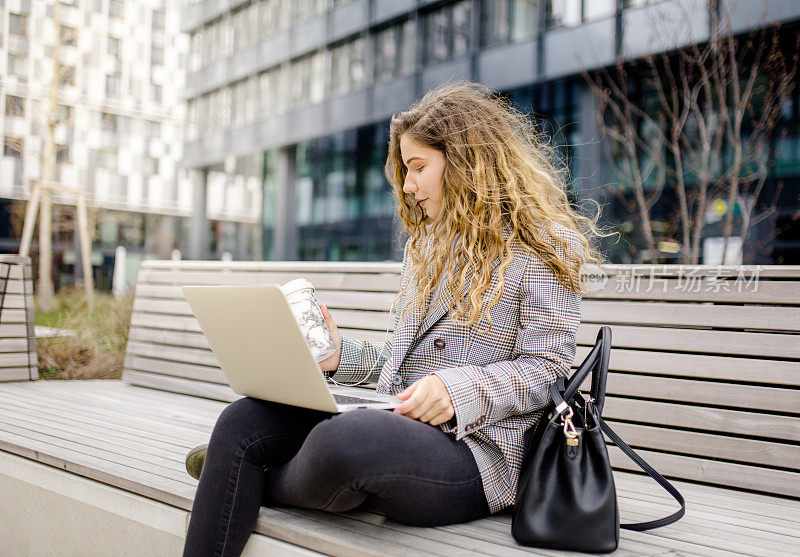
17, 339
705, 371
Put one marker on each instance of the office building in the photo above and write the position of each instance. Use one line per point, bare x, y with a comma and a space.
121, 113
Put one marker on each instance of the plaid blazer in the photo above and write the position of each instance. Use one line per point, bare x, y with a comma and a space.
498, 380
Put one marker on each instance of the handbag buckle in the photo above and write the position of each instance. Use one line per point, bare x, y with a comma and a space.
587, 410
569, 428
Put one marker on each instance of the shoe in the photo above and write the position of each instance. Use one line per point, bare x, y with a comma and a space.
195, 459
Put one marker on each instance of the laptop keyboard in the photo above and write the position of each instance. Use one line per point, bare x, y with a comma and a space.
344, 399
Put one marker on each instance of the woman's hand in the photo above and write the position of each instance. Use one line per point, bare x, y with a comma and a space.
427, 400
331, 363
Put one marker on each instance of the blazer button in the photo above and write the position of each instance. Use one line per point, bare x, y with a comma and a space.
396, 379
439, 343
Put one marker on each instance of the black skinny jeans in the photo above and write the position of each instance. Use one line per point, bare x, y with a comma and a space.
265, 453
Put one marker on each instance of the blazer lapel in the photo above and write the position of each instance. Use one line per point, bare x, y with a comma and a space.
417, 323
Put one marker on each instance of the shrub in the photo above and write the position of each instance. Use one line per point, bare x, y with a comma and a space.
96, 349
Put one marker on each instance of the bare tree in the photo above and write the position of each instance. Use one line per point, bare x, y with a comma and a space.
41, 192
675, 121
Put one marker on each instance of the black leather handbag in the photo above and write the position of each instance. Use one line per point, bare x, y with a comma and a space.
566, 497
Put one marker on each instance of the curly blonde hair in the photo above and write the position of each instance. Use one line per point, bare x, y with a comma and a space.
500, 174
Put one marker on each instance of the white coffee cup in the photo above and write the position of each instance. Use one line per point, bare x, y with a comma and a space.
308, 315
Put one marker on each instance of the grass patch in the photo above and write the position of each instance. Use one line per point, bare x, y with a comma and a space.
97, 349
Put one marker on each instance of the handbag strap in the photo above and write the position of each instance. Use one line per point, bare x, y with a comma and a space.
640, 526
596, 362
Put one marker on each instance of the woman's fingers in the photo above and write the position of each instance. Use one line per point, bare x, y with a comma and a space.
438, 409
408, 391
427, 401
413, 407
331, 363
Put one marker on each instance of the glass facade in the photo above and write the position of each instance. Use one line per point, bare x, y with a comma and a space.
343, 205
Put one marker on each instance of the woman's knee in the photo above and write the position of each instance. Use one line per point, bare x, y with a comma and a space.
239, 417
347, 444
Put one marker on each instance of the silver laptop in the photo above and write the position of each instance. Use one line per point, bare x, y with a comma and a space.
262, 352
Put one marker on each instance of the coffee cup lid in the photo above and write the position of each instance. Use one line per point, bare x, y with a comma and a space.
295, 285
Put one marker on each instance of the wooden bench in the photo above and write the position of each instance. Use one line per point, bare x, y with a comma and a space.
704, 384
17, 339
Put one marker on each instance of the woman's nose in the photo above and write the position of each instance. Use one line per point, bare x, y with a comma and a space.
409, 186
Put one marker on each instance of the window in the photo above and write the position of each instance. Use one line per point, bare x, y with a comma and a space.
116, 8
386, 58
495, 22
63, 113
156, 92
340, 65
504, 21
598, 9
62, 154
357, 67
523, 19
15, 106
437, 37
110, 122
107, 158
570, 13
158, 20
238, 102
308, 75
407, 47
461, 28
150, 166
306, 9
239, 26
225, 37
251, 100
12, 147
113, 46
156, 56
446, 32
269, 16
191, 120
112, 85
69, 35
18, 25
153, 128
18, 66
282, 89
66, 76
266, 92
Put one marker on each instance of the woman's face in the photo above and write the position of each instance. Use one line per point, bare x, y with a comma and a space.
425, 176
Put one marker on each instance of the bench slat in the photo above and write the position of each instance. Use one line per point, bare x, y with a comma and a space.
214, 391
704, 470
177, 369
705, 392
726, 292
748, 370
692, 315
767, 426
364, 282
13, 359
691, 443
17, 373
665, 339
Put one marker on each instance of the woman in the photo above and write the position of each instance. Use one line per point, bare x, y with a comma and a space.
483, 200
